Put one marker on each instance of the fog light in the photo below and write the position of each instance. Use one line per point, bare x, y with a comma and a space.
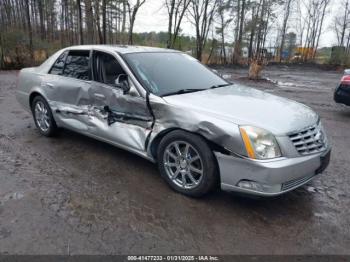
251, 185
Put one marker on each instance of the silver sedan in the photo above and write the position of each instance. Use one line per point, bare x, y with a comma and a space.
202, 131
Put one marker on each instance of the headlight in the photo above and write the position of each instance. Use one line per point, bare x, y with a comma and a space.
259, 143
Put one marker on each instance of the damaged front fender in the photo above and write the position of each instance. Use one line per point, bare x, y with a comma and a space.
219, 131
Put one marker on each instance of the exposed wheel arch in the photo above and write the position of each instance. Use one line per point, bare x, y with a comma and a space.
32, 96
156, 141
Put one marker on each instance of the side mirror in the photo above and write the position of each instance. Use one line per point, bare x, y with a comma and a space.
123, 82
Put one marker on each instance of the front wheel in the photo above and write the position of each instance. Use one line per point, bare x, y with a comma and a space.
187, 163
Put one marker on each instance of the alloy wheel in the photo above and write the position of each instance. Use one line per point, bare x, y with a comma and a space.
183, 164
42, 116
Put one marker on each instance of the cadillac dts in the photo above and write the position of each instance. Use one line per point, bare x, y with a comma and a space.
201, 130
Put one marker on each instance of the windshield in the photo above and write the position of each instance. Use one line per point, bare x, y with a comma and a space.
168, 73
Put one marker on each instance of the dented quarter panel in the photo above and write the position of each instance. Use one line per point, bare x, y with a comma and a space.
29, 81
69, 100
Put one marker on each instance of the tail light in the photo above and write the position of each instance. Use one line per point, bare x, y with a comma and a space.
345, 80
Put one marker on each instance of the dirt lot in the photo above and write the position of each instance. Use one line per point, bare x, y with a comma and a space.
73, 195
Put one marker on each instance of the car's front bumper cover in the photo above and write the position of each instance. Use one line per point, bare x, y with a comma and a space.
342, 95
269, 178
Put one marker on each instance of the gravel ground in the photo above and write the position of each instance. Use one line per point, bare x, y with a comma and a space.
74, 195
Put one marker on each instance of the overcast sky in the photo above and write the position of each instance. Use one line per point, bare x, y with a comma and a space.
152, 17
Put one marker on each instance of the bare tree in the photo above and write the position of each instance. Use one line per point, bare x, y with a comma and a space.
341, 23
132, 10
70, 22
325, 5
262, 15
223, 7
80, 23
176, 11
30, 32
104, 25
253, 24
202, 14
97, 21
41, 15
124, 3
300, 23
287, 8
240, 23
316, 10
89, 21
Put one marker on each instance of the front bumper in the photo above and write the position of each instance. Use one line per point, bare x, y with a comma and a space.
342, 95
269, 178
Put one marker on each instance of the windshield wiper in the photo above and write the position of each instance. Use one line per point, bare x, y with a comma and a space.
192, 90
218, 86
184, 91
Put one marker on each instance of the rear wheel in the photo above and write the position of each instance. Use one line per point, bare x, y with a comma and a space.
43, 118
187, 163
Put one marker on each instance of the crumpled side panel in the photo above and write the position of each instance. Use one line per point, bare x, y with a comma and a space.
104, 112
117, 101
214, 129
94, 121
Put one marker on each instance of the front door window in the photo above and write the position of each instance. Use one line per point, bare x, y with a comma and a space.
107, 69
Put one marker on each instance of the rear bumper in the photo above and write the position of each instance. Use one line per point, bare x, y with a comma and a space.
23, 99
269, 178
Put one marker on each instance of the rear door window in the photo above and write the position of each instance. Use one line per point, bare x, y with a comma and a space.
57, 68
77, 65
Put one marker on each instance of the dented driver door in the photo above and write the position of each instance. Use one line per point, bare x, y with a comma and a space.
122, 119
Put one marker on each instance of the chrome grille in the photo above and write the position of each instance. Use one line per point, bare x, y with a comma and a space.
309, 140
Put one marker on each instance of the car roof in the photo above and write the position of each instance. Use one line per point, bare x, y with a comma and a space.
123, 49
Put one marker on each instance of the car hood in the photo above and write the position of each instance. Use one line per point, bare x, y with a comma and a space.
248, 106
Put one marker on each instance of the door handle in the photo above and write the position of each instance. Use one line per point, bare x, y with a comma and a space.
99, 96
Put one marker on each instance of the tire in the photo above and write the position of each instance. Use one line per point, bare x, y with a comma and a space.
43, 118
181, 155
